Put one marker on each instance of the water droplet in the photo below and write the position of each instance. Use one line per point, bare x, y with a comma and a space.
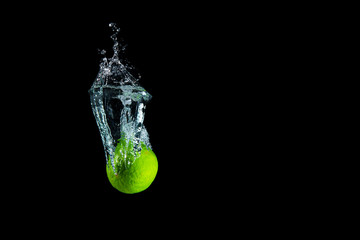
114, 27
116, 69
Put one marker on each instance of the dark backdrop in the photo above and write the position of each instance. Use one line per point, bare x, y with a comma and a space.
214, 74
178, 59
229, 120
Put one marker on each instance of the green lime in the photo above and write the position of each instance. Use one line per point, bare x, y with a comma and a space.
134, 172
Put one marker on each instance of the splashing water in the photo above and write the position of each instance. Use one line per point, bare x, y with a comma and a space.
118, 103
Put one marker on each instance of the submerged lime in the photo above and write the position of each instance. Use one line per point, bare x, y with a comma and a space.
133, 172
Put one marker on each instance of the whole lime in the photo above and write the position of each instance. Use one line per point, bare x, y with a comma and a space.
134, 171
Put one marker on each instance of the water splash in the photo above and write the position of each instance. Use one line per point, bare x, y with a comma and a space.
115, 70
118, 103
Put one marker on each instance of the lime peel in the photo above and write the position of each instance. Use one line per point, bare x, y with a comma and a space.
134, 170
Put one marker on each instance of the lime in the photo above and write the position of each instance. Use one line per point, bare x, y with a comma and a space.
134, 171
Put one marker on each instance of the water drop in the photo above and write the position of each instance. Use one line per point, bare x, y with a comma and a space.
114, 27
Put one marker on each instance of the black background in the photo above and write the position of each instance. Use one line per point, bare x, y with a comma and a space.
232, 120
214, 74
181, 58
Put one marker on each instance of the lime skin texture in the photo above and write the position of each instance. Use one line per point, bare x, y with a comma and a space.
133, 172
